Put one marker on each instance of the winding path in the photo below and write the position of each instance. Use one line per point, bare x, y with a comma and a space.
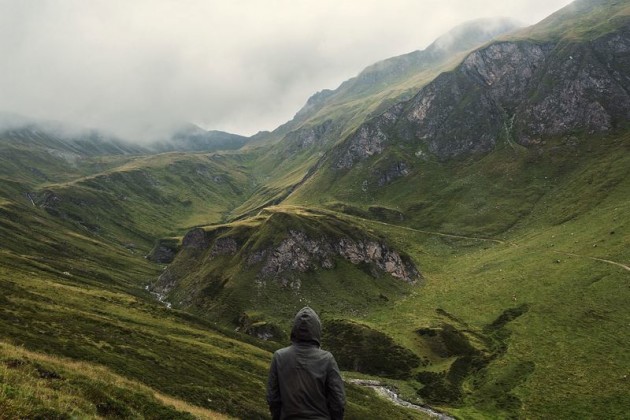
594, 259
428, 232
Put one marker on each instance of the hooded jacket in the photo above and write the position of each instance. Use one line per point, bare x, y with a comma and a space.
304, 380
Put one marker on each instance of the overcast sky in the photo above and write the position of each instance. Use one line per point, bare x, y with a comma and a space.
136, 67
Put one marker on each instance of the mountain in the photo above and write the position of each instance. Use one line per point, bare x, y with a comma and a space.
392, 79
291, 152
394, 73
458, 217
507, 176
193, 138
517, 94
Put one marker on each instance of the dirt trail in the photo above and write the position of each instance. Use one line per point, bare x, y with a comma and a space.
385, 392
595, 259
446, 235
425, 232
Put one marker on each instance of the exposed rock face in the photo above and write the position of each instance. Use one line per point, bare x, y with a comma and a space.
161, 254
397, 170
224, 246
508, 91
196, 239
296, 253
164, 251
307, 136
164, 284
301, 253
370, 138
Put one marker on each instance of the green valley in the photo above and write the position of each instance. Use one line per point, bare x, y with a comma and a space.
459, 218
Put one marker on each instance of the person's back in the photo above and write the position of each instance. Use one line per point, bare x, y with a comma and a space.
304, 380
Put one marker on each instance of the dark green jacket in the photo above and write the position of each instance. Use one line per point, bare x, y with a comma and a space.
304, 380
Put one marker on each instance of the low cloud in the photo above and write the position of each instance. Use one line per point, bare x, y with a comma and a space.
138, 69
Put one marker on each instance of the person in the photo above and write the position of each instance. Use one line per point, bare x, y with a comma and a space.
304, 380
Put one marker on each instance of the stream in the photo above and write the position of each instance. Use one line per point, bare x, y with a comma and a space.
160, 297
386, 392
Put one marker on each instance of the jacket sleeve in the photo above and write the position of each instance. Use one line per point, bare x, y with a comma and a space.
273, 391
335, 392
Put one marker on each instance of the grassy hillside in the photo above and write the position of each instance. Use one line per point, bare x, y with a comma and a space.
43, 386
491, 285
525, 323
478, 196
227, 276
152, 196
582, 19
291, 153
87, 302
562, 290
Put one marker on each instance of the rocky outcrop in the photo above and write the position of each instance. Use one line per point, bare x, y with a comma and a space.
208, 260
164, 284
397, 170
223, 246
300, 253
164, 251
517, 92
196, 239
369, 139
308, 136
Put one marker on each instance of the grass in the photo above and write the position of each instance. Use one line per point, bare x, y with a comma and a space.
221, 285
44, 386
543, 261
544, 224
88, 304
134, 338
521, 311
578, 21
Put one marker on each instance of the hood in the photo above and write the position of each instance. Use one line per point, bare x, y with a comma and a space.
306, 327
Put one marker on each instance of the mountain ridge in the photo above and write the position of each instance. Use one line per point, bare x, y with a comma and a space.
484, 279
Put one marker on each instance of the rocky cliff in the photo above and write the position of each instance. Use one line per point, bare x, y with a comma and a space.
283, 252
300, 252
517, 91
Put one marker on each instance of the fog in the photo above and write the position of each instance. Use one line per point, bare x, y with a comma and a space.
140, 68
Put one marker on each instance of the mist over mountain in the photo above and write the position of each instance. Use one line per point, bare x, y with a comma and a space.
138, 71
458, 216
63, 136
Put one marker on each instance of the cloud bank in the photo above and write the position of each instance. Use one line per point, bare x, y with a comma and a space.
139, 68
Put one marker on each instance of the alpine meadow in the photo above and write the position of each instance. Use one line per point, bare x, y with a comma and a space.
459, 217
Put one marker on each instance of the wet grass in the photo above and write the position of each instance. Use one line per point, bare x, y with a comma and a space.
37, 385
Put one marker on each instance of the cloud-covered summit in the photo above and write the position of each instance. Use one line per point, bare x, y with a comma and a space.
139, 69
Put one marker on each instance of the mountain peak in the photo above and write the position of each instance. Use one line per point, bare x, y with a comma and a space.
472, 33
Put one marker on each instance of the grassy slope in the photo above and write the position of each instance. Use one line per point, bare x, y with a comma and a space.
86, 301
39, 385
574, 332
279, 172
551, 259
128, 199
107, 319
582, 19
225, 286
562, 213
155, 196
477, 195
73, 286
